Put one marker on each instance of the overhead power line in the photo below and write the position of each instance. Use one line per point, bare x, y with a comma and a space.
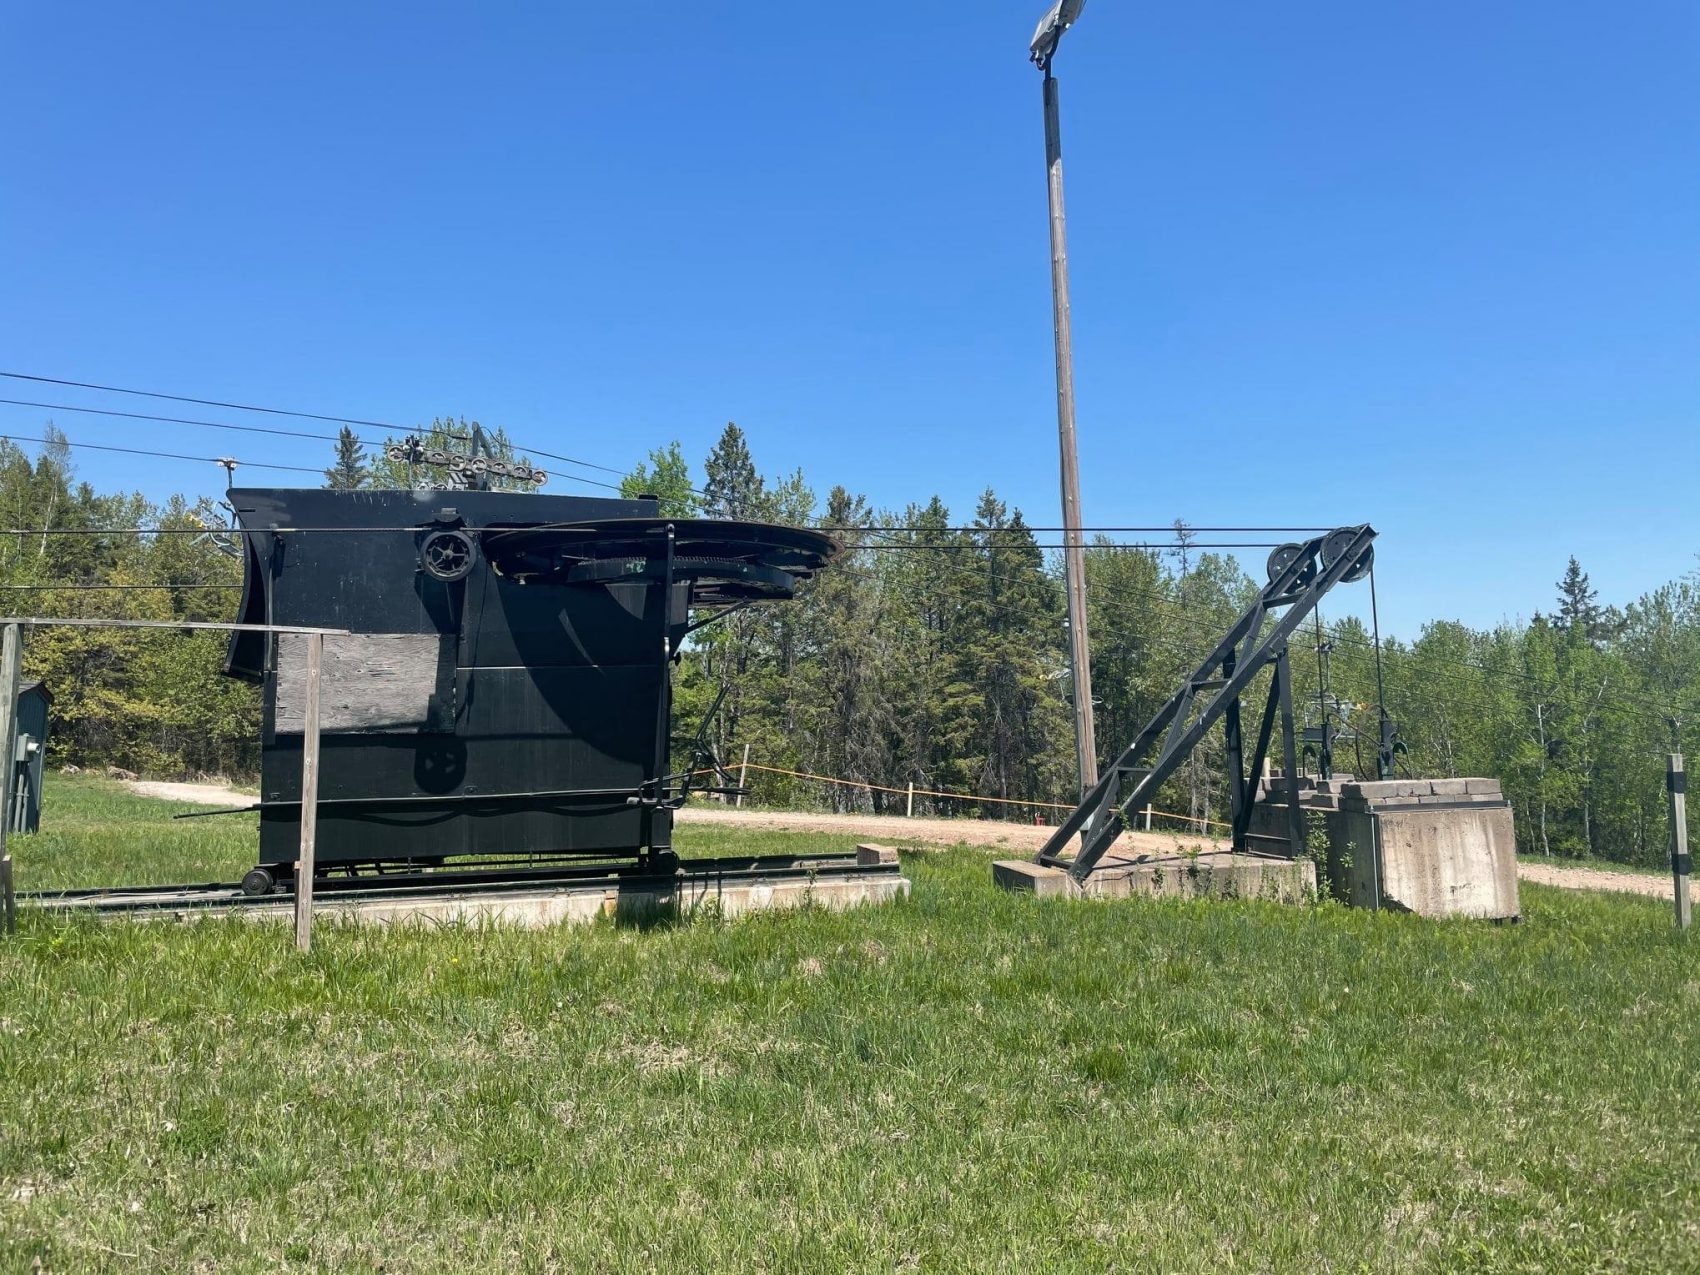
202, 402
139, 451
283, 411
177, 420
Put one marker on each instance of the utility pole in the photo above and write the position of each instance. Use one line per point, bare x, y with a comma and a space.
1042, 50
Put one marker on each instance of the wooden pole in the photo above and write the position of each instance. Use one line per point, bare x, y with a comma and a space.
309, 795
1074, 541
1681, 866
8, 899
11, 660
909, 802
743, 771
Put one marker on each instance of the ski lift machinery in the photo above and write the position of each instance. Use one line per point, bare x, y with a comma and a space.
505, 690
1300, 575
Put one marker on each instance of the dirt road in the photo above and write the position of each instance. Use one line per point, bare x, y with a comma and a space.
1017, 839
194, 794
1596, 879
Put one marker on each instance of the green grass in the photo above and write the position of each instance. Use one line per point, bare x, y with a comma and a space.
969, 1081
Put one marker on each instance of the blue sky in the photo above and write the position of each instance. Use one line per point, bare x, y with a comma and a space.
1436, 267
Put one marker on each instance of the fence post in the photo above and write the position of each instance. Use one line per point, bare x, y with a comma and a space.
8, 899
743, 772
309, 795
1681, 866
909, 802
11, 658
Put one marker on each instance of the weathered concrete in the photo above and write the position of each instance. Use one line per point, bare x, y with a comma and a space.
1443, 847
1216, 874
870, 855
539, 907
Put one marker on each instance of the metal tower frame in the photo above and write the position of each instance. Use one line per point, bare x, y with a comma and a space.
1299, 576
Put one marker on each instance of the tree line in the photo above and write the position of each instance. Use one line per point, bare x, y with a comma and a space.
932, 654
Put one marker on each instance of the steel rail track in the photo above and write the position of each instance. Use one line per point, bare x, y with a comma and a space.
692, 875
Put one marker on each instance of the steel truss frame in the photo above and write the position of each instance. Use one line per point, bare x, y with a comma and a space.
1299, 577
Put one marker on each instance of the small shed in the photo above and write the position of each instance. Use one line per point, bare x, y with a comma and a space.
29, 758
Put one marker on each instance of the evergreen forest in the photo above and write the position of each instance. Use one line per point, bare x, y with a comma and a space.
932, 654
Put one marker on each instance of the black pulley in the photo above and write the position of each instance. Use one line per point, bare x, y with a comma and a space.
1281, 557
446, 555
1338, 543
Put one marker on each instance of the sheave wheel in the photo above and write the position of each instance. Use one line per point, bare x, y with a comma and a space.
446, 555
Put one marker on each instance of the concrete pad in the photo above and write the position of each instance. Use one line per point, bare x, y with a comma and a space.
1035, 878
1214, 874
540, 907
869, 855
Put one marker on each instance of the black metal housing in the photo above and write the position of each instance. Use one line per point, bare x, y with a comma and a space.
505, 690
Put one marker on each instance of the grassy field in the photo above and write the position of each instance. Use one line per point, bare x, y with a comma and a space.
969, 1081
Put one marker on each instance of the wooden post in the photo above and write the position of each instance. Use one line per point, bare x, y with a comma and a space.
11, 659
743, 771
1074, 540
8, 899
1681, 866
309, 794
909, 802
1148, 818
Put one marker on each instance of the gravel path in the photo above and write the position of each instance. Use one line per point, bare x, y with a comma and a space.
194, 794
1595, 879
938, 832
1014, 837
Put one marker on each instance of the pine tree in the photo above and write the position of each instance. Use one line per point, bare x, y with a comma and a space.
731, 486
348, 473
1578, 602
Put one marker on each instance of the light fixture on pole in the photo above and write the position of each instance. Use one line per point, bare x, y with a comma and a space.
1043, 48
1061, 17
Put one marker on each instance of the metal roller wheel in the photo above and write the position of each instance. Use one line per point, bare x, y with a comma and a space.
258, 881
447, 555
1282, 557
395, 452
538, 477
1336, 544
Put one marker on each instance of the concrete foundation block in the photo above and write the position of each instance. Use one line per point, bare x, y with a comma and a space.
1452, 862
1216, 874
869, 855
1035, 878
1447, 851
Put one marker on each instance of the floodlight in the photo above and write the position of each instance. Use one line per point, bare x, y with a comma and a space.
1051, 27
